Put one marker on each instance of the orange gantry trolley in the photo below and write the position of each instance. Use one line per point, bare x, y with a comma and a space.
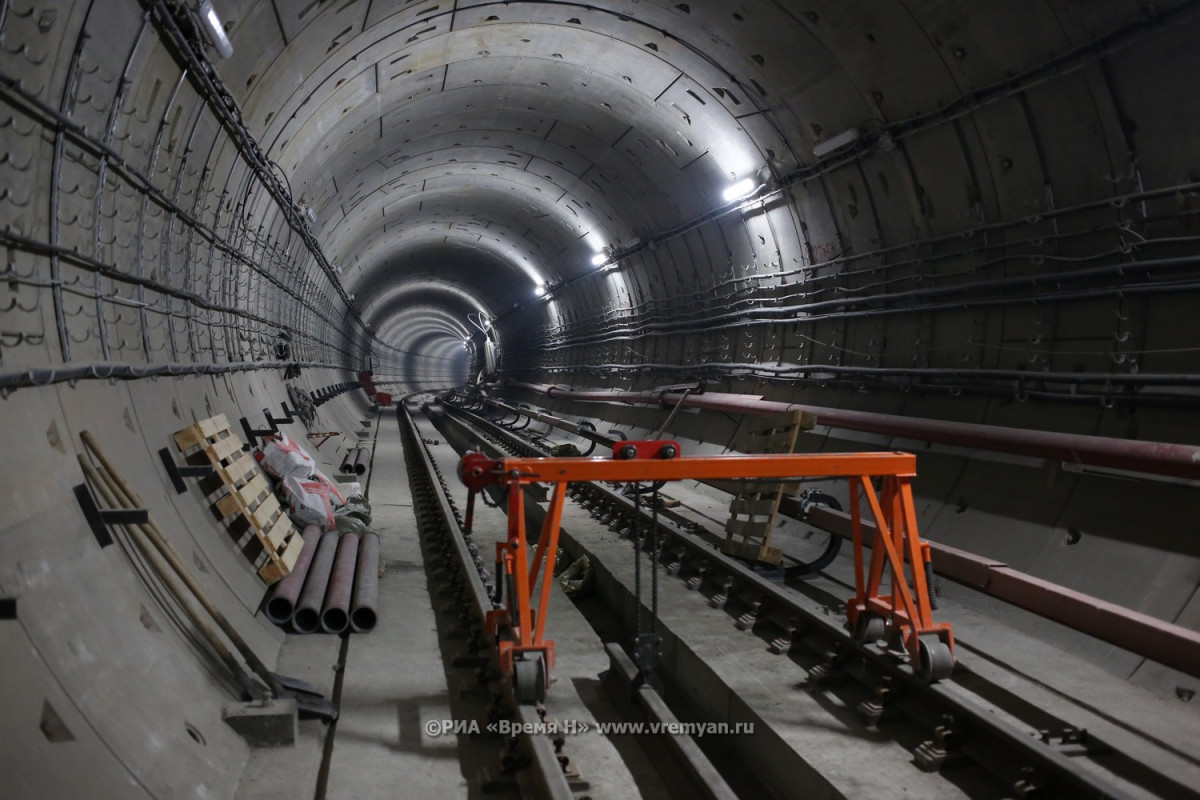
518, 623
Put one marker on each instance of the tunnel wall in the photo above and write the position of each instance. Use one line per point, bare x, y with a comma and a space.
101, 670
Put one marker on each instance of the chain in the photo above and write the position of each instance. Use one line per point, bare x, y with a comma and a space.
654, 560
637, 556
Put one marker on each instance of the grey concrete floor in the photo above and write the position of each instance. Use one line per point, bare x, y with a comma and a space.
397, 679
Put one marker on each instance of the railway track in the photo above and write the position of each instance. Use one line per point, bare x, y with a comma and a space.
961, 727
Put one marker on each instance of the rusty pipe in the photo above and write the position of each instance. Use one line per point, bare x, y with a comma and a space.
1168, 644
335, 614
1156, 458
361, 459
364, 607
307, 618
281, 602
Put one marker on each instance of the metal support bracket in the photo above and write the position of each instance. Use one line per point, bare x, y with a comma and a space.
252, 435
99, 519
177, 473
286, 419
647, 650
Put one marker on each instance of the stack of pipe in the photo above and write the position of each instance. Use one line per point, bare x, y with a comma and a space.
356, 461
334, 585
281, 600
364, 604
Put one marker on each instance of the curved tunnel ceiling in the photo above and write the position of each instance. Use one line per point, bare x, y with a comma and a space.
496, 147
486, 149
947, 197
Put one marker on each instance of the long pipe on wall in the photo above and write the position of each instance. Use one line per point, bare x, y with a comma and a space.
1156, 458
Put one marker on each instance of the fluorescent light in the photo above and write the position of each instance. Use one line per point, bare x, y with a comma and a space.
743, 188
599, 259
216, 31
835, 142
540, 291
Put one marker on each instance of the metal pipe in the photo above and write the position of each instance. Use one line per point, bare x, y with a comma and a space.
365, 605
335, 614
348, 462
307, 618
127, 497
1172, 645
361, 459
1157, 458
281, 602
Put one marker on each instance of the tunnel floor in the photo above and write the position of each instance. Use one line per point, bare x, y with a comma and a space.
403, 687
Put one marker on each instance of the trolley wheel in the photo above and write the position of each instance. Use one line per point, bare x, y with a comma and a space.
529, 679
870, 628
937, 661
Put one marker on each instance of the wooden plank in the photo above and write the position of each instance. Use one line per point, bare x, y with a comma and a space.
188, 438
255, 489
753, 506
753, 551
199, 432
264, 515
244, 497
223, 449
281, 565
277, 536
746, 529
229, 504
241, 466
213, 425
781, 442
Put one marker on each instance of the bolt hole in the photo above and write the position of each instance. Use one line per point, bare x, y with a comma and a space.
195, 733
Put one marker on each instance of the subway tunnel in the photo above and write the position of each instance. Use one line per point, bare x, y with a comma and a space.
965, 231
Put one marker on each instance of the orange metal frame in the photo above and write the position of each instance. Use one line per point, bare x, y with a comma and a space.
895, 544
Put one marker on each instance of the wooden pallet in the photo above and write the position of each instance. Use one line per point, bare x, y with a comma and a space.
246, 494
754, 510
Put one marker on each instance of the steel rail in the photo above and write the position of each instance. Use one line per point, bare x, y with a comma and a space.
549, 782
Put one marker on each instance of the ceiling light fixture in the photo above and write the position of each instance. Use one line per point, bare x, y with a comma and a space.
215, 30
836, 142
599, 259
740, 190
540, 291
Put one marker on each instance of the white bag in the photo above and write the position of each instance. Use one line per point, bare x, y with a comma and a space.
308, 503
336, 498
283, 458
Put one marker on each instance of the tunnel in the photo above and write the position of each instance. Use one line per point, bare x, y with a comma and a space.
957, 230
